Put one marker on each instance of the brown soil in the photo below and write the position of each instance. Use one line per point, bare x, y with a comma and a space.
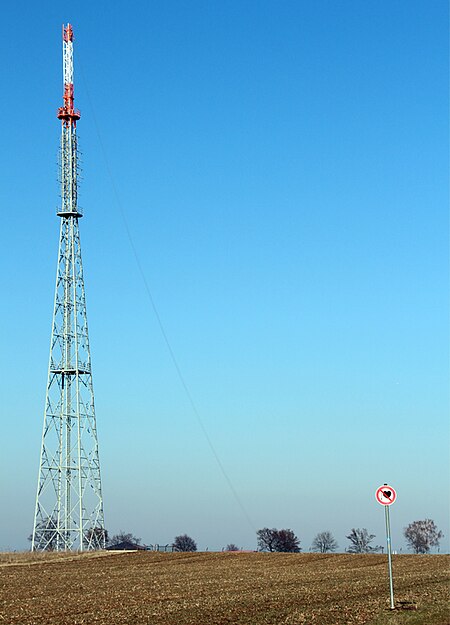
139, 588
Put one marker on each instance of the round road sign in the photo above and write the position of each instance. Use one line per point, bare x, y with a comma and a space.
385, 495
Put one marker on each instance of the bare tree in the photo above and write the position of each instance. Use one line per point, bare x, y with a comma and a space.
96, 537
422, 535
184, 543
283, 540
287, 541
231, 547
360, 540
267, 539
323, 542
123, 537
46, 534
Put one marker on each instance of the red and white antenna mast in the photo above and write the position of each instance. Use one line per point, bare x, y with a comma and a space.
69, 116
67, 113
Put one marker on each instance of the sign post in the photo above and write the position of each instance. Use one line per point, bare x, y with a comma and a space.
386, 495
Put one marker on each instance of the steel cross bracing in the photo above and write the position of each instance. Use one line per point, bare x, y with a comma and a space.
69, 503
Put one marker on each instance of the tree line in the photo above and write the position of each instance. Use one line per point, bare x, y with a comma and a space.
420, 536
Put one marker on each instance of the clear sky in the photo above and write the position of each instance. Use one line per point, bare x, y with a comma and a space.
283, 170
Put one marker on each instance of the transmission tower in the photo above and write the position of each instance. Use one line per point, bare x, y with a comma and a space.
69, 503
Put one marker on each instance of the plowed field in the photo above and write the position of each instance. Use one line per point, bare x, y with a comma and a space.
218, 588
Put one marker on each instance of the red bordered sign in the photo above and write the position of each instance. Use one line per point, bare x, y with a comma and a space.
385, 495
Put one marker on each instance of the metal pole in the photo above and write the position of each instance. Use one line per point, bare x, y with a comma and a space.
388, 541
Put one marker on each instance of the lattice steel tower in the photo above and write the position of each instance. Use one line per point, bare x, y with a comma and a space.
69, 504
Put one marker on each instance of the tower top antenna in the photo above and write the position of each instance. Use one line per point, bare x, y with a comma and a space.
67, 32
67, 113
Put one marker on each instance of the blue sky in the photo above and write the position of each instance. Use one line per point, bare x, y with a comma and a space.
282, 168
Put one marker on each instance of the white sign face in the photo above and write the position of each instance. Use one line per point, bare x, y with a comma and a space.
385, 495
